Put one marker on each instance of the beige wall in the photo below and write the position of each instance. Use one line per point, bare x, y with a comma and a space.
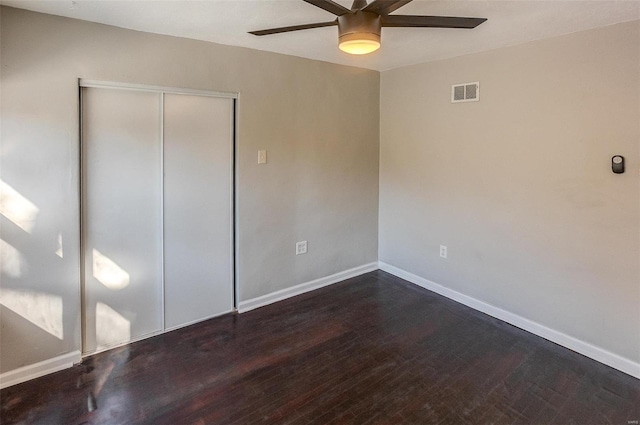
519, 185
320, 185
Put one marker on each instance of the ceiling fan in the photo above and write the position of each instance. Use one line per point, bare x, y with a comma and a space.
359, 28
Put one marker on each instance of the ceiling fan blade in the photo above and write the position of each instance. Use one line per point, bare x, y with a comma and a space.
384, 7
294, 28
330, 6
430, 21
358, 4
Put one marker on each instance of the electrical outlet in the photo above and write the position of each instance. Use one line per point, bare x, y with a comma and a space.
443, 251
262, 157
301, 247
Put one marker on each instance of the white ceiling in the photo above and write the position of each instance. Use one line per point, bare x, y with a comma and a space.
227, 22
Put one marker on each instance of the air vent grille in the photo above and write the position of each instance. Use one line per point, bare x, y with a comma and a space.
465, 92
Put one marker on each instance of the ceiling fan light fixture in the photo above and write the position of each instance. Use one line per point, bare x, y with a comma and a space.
360, 28
359, 43
359, 32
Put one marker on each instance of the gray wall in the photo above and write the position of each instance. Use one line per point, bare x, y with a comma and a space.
320, 185
519, 185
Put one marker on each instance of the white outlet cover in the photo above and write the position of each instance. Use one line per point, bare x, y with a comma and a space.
301, 247
443, 251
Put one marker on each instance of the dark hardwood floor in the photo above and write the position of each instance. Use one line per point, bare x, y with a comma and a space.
371, 350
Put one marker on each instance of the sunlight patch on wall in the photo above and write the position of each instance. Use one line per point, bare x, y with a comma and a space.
111, 327
107, 272
60, 251
43, 310
18, 209
12, 262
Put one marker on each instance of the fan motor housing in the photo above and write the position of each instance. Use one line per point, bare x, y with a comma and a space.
360, 24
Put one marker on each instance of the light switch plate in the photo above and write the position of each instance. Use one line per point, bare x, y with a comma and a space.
262, 157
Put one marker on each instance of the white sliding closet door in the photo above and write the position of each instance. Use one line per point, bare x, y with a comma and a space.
157, 196
122, 227
197, 207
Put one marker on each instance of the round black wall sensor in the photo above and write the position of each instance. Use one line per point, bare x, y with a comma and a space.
617, 164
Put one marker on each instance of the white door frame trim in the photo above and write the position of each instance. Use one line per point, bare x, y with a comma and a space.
157, 89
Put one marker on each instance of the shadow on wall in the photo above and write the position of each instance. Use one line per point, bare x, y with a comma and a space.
41, 309
19, 332
24, 305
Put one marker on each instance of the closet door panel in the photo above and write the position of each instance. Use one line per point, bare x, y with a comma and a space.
122, 229
197, 207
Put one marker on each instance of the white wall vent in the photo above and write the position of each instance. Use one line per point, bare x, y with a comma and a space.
466, 92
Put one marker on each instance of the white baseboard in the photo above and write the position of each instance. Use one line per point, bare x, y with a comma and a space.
599, 354
193, 322
37, 370
282, 294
